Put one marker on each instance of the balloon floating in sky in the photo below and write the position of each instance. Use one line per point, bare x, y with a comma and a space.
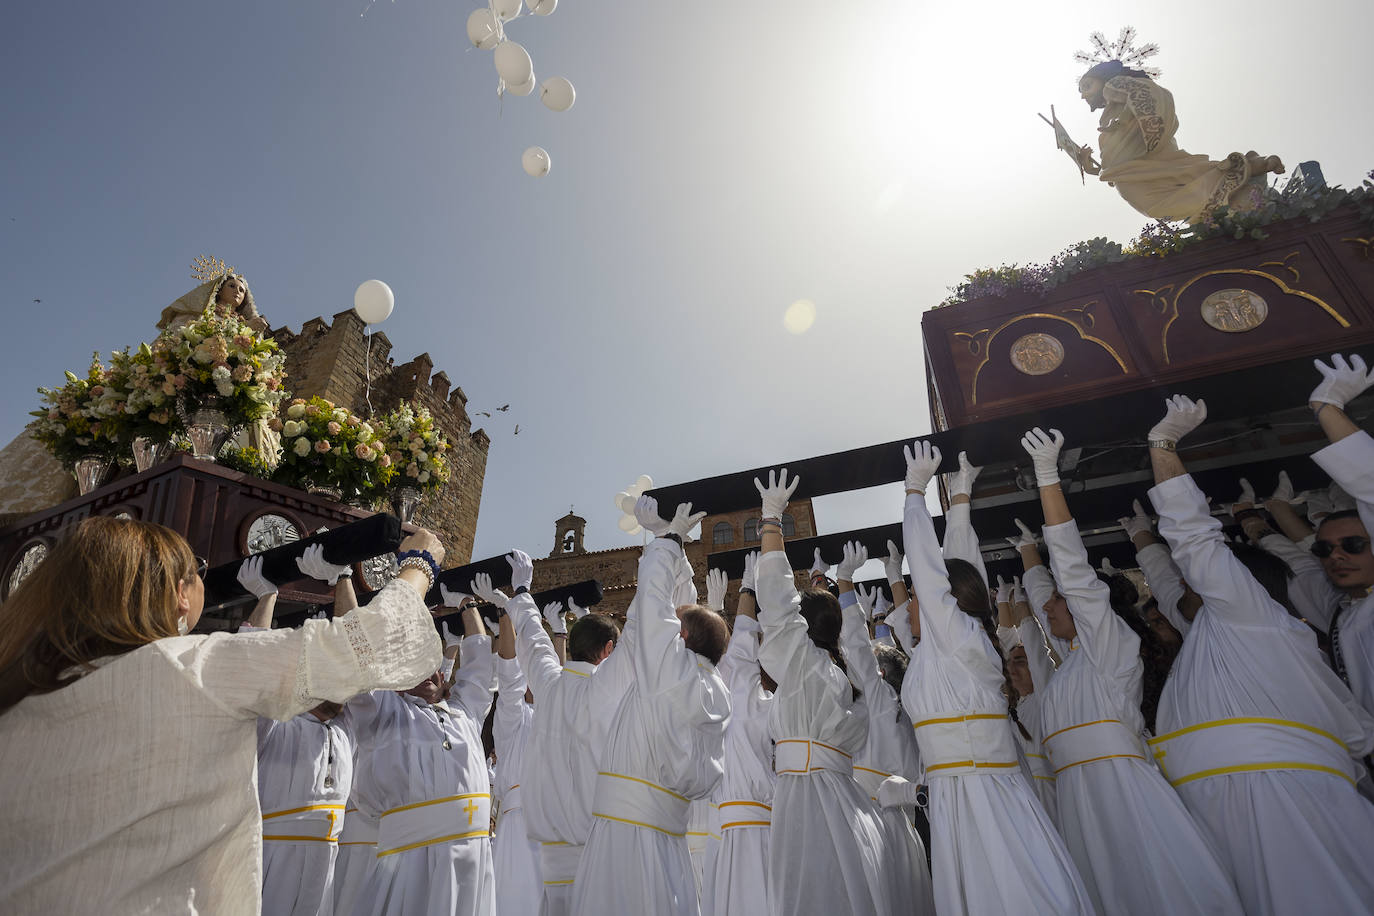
625, 500
535, 161
557, 94
513, 63
373, 301
506, 10
524, 88
541, 7
483, 30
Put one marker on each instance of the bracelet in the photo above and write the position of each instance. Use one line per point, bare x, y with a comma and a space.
671, 536
771, 520
770, 523
744, 590
1165, 444
418, 563
424, 555
1243, 514
522, 590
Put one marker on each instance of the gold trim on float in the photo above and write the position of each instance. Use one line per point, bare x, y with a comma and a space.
1366, 244
1297, 277
1083, 335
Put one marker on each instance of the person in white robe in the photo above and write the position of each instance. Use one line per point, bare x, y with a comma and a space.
423, 775
735, 882
994, 849
827, 846
667, 740
1256, 732
573, 707
1028, 665
1136, 846
152, 748
519, 890
890, 749
1040, 587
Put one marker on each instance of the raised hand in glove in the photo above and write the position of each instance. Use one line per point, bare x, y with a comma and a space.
251, 577
312, 563
1043, 449
776, 494
684, 520
961, 481
452, 597
646, 513
864, 597
578, 611
553, 613
922, 459
855, 555
716, 585
751, 563
1025, 539
1182, 415
1139, 523
1341, 381
482, 588
892, 565
521, 569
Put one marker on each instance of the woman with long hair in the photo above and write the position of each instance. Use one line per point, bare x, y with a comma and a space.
1136, 846
137, 742
993, 847
826, 850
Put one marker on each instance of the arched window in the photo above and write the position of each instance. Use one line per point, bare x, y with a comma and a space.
722, 533
789, 525
751, 530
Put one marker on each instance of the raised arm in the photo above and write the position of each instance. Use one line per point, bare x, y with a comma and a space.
961, 541
471, 688
1161, 573
533, 648
661, 658
1349, 459
1032, 638
510, 689
250, 577
855, 609
313, 564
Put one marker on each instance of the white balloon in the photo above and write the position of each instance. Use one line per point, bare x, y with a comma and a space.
506, 9
483, 31
373, 301
541, 7
557, 94
620, 499
644, 482
626, 523
627, 504
536, 162
513, 63
524, 88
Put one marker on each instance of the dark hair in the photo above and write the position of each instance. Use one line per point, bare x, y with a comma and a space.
1340, 514
821, 611
707, 633
970, 592
1110, 68
1122, 591
892, 664
588, 635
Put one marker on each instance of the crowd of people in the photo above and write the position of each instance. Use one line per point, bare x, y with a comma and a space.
1048, 745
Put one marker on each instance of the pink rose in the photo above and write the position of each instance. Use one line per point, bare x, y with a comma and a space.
311, 410
334, 428
412, 470
242, 373
323, 446
97, 390
179, 380
275, 424
384, 460
354, 421
363, 452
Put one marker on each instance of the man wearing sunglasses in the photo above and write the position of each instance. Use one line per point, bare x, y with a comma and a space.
1342, 540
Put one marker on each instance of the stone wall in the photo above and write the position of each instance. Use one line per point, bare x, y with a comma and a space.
334, 361
616, 569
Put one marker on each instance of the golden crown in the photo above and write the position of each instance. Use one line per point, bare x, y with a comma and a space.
1123, 49
205, 268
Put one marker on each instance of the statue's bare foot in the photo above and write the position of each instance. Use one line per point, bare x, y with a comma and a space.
1274, 164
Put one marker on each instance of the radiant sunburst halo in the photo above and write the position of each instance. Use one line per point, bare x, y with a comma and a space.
799, 317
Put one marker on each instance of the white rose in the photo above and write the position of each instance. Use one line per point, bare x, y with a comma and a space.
421, 457
340, 415
303, 447
291, 428
424, 477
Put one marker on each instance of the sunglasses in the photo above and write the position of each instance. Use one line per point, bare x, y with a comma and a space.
1350, 546
203, 566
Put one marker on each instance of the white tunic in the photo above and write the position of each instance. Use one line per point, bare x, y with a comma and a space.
573, 706
666, 748
1350, 462
1136, 846
1166, 583
357, 856
305, 772
736, 880
1030, 712
1040, 588
1296, 840
994, 849
827, 844
889, 751
411, 754
154, 760
519, 889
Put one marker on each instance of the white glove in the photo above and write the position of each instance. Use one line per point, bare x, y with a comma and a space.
961, 481
1182, 415
922, 459
1107, 569
553, 613
880, 605
684, 521
1340, 500
313, 564
751, 562
892, 566
1246, 499
1003, 591
819, 567
452, 597
777, 494
1318, 505
646, 513
521, 569
1284, 491
1341, 381
1026, 539
1138, 523
1018, 594
864, 596
855, 555
449, 638
251, 578
895, 791
481, 587
1043, 449
578, 611
716, 586
491, 627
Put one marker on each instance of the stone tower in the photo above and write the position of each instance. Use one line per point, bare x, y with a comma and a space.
568, 534
335, 361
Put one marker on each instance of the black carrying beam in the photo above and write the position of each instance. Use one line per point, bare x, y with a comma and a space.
347, 544
801, 551
459, 578
587, 594
1126, 417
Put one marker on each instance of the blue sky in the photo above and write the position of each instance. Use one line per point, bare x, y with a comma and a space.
721, 162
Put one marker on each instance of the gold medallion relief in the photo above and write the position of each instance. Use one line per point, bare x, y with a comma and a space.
1234, 310
1037, 354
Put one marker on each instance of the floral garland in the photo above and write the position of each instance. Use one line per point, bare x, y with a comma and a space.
416, 447
324, 445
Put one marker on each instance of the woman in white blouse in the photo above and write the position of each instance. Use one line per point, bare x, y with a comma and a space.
130, 747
